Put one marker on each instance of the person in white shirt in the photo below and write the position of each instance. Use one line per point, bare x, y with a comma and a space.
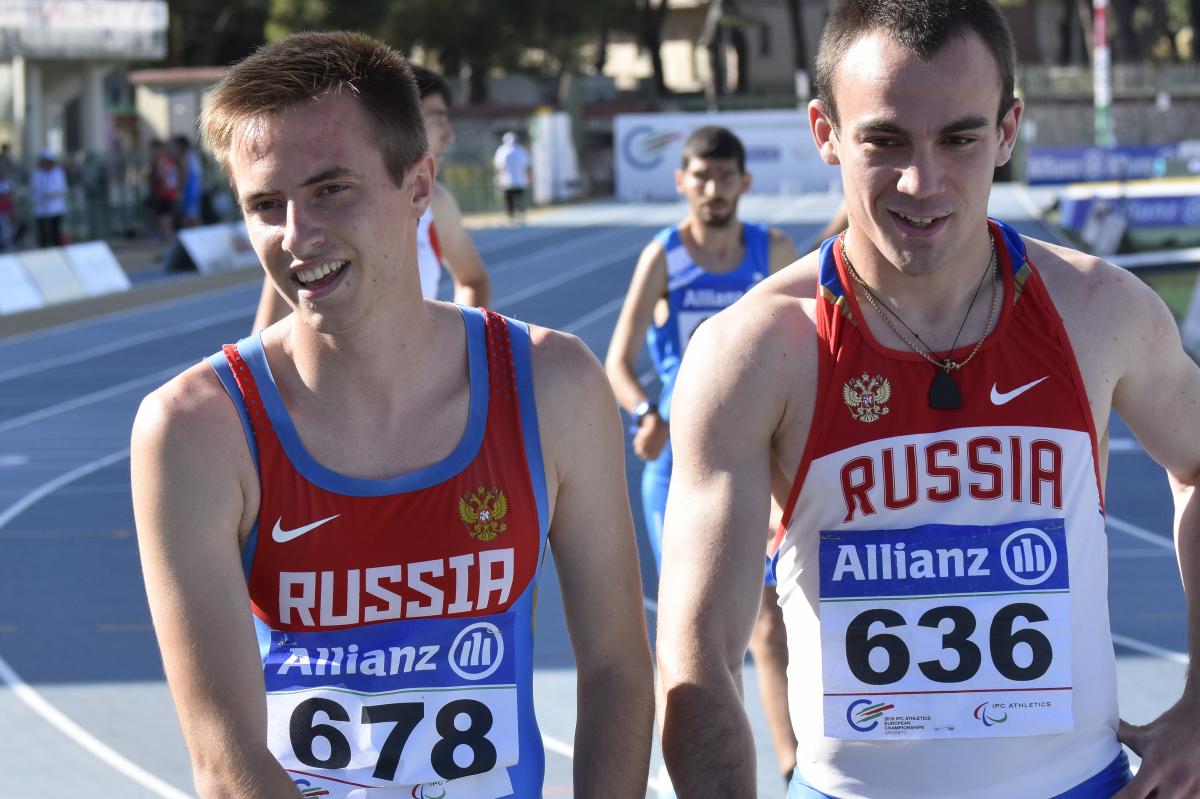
512, 173
48, 193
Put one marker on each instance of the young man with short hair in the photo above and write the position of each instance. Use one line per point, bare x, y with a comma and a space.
442, 237
352, 508
930, 395
691, 271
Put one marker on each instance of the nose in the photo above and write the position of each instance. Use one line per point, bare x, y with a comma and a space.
302, 233
922, 177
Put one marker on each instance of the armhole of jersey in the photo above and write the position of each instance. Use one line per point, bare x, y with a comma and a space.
434, 241
820, 408
225, 374
523, 362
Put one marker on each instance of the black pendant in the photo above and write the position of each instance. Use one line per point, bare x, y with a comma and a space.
943, 392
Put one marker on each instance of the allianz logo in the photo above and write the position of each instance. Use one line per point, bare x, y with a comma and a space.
477, 651
1028, 556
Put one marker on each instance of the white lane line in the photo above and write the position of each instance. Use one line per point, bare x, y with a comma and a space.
14, 460
587, 241
595, 316
1124, 445
1150, 649
565, 277
45, 489
1122, 526
650, 604
34, 700
96, 396
123, 343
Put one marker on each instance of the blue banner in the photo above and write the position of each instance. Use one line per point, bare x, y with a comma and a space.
939, 559
1091, 164
413, 653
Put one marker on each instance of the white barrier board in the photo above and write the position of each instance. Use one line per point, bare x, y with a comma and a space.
20, 293
218, 248
780, 154
55, 278
97, 268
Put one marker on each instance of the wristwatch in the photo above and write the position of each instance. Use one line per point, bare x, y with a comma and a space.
642, 410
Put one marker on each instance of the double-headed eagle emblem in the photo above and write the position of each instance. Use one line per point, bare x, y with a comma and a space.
481, 511
867, 397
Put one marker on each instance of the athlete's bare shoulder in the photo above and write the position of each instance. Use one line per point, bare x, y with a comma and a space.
190, 431
1112, 318
761, 355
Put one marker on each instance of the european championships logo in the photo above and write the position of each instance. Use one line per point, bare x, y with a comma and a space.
867, 718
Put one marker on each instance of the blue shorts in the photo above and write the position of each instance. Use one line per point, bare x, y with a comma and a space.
1112, 778
656, 479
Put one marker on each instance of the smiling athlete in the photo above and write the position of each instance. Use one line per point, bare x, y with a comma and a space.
929, 395
342, 520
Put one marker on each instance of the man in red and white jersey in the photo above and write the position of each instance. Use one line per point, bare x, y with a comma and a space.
343, 519
442, 237
929, 397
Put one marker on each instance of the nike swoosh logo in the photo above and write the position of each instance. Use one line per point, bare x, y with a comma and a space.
281, 536
1008, 396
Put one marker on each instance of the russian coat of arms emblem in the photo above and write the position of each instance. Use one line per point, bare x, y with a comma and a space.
867, 397
482, 511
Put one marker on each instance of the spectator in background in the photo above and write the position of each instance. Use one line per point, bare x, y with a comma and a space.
189, 169
164, 190
48, 195
512, 174
7, 217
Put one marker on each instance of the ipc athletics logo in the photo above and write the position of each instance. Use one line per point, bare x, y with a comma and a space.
988, 721
867, 718
428, 792
477, 651
644, 148
1028, 556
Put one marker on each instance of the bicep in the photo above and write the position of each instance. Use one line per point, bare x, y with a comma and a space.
458, 251
648, 286
1158, 395
591, 530
189, 506
718, 510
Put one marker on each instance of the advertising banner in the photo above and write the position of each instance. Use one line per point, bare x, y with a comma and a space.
780, 154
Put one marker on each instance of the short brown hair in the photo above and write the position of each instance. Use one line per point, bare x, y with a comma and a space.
922, 26
305, 66
713, 141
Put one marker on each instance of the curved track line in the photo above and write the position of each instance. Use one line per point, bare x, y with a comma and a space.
34, 700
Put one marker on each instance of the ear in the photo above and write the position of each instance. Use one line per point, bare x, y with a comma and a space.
823, 133
1008, 132
423, 173
747, 179
679, 182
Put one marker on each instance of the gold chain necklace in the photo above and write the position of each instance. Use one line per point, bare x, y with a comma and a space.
944, 393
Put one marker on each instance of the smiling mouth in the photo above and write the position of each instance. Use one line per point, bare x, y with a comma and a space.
918, 221
319, 275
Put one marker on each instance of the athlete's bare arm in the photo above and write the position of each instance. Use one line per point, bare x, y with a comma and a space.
195, 494
472, 285
1132, 361
648, 286
741, 405
591, 536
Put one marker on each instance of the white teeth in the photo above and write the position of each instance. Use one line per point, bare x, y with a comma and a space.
919, 221
318, 272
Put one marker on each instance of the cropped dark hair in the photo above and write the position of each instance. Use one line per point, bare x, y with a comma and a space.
713, 141
307, 66
431, 83
922, 26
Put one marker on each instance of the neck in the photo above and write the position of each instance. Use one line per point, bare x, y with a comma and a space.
714, 244
929, 298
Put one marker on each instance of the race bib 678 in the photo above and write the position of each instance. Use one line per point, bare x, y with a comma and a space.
946, 631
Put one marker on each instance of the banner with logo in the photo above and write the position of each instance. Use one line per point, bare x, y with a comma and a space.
780, 154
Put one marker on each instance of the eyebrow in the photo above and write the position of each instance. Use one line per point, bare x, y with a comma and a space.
333, 173
957, 126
